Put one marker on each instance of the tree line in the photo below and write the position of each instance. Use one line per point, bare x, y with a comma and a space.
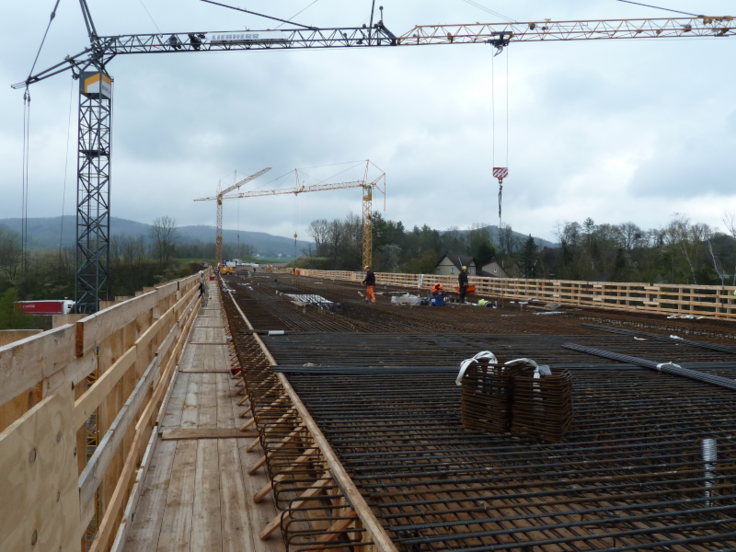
338, 244
679, 252
135, 262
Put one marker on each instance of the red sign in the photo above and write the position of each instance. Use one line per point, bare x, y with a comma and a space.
40, 307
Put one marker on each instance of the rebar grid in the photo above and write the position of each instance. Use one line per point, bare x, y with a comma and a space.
629, 475
269, 311
341, 349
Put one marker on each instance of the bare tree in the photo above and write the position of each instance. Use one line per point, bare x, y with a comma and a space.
631, 235
570, 233
164, 236
729, 219
335, 238
318, 230
10, 254
721, 275
507, 241
687, 239
133, 249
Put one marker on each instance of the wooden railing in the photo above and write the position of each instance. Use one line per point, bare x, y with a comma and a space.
103, 378
670, 299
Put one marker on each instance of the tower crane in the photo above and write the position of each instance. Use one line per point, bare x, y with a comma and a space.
365, 184
218, 198
95, 93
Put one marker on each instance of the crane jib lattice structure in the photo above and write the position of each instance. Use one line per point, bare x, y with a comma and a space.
300, 188
219, 197
95, 103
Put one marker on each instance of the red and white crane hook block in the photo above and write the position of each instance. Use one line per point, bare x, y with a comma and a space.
500, 173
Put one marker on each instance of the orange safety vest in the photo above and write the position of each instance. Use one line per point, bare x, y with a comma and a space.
437, 287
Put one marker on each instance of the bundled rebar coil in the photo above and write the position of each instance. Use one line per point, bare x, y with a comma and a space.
542, 406
486, 396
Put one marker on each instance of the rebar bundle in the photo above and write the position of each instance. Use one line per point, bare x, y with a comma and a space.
542, 407
486, 397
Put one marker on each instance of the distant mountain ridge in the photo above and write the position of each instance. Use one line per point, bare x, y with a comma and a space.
45, 233
541, 242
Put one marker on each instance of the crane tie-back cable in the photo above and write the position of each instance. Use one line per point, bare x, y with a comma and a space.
53, 15
656, 7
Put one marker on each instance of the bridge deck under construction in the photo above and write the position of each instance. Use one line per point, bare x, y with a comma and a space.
358, 442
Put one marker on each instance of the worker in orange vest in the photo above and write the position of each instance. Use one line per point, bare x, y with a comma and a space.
437, 288
297, 271
370, 282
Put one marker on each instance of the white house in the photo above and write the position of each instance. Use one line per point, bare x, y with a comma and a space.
494, 269
451, 264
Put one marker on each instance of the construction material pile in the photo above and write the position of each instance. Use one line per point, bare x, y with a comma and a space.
520, 397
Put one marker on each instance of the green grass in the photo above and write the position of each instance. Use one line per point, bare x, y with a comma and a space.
210, 262
273, 260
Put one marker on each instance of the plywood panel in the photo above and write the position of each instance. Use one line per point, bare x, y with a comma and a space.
15, 408
26, 362
11, 336
38, 470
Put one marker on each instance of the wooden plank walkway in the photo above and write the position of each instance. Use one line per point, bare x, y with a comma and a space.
198, 496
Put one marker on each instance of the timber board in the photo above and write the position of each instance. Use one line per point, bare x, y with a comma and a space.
197, 494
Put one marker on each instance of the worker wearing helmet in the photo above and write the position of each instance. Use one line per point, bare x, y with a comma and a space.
462, 283
203, 291
370, 282
437, 288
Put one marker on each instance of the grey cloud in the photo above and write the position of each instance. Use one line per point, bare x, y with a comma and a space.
580, 113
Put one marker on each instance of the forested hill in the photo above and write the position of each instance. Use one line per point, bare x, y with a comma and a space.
45, 232
493, 229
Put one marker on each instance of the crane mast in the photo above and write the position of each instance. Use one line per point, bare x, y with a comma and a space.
95, 98
218, 198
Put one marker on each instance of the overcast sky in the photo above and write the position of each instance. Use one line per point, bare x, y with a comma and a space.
613, 130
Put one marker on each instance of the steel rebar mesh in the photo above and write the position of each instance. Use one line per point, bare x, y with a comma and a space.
630, 474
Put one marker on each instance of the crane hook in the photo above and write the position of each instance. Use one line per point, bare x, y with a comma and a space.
499, 43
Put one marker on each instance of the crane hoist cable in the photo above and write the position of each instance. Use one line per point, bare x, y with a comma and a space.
238, 205
66, 164
25, 182
296, 220
499, 172
26, 147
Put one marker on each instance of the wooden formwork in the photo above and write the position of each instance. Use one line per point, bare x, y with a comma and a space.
669, 299
47, 401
